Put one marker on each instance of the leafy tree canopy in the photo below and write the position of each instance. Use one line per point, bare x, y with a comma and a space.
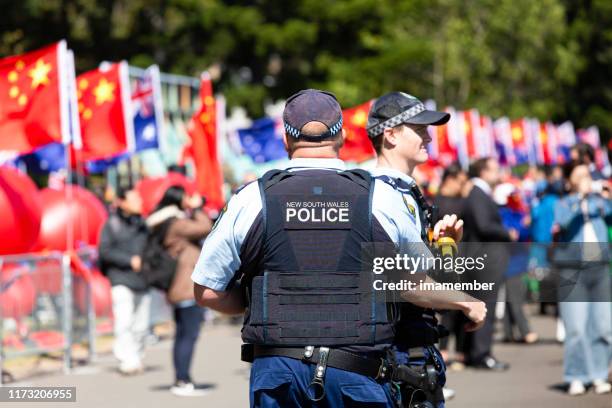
549, 59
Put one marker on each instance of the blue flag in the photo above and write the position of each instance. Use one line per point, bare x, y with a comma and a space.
100, 166
49, 158
263, 141
148, 110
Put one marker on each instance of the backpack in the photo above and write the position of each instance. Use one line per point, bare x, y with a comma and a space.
158, 267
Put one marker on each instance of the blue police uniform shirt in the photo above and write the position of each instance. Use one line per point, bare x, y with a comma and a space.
220, 257
398, 212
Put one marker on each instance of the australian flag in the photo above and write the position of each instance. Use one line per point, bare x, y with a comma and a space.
263, 141
148, 110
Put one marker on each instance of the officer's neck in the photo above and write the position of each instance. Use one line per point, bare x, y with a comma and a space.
327, 152
403, 165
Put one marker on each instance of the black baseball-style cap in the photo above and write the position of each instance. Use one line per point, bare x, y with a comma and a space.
396, 108
312, 105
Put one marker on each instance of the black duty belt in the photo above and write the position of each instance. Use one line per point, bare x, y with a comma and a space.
378, 369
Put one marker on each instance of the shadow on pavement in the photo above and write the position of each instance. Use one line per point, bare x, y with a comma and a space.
147, 369
560, 387
166, 387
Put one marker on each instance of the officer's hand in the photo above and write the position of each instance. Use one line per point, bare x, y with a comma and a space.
476, 311
449, 226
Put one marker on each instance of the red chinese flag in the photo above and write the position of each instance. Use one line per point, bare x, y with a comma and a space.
33, 99
471, 121
357, 146
202, 130
543, 141
447, 153
105, 112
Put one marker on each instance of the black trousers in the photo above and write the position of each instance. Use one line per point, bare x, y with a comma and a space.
454, 321
478, 344
188, 321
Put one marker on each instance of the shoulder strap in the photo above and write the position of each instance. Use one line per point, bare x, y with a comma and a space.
426, 210
266, 181
272, 177
365, 180
358, 176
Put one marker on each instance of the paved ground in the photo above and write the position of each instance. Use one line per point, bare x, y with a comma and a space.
531, 382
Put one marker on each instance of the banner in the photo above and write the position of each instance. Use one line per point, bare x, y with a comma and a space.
107, 129
148, 111
34, 99
357, 145
202, 147
263, 141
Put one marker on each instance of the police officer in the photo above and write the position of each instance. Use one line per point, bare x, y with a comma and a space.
397, 127
287, 251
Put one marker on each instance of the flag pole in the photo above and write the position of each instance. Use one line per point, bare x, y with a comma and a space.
66, 78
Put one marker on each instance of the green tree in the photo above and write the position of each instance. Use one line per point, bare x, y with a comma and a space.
547, 59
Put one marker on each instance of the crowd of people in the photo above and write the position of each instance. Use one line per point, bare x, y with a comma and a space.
562, 210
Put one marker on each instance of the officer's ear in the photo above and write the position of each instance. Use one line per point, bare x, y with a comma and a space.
340, 140
288, 147
390, 137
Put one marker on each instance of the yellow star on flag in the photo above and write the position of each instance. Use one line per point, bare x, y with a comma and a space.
104, 92
204, 117
360, 119
39, 73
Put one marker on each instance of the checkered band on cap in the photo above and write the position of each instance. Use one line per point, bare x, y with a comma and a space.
297, 132
396, 120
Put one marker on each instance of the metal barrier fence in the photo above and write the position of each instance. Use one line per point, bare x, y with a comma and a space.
49, 302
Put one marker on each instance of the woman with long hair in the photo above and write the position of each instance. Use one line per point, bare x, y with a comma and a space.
183, 224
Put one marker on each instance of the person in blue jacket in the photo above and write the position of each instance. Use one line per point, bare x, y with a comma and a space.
583, 254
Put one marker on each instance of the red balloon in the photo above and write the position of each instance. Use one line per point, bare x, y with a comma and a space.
152, 189
18, 295
100, 294
85, 211
20, 212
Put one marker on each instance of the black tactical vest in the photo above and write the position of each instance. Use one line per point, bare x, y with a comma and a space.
313, 287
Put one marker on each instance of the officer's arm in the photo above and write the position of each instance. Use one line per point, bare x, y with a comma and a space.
228, 302
220, 259
474, 309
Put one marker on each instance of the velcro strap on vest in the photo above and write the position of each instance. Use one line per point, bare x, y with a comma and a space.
318, 332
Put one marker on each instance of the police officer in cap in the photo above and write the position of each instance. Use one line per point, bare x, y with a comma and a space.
397, 127
287, 252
